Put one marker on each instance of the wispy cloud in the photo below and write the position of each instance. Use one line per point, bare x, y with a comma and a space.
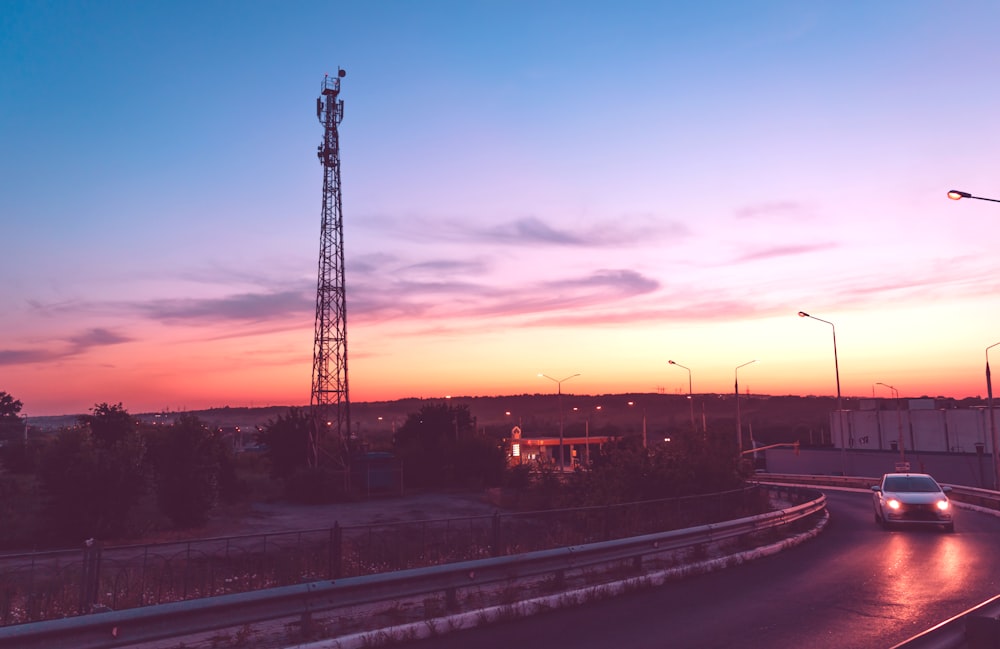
59, 349
775, 210
784, 251
533, 231
254, 307
443, 301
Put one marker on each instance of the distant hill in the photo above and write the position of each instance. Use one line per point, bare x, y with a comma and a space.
769, 418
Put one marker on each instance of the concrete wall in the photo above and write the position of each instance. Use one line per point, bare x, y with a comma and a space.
923, 430
969, 469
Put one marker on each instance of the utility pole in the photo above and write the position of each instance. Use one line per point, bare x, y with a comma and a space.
329, 404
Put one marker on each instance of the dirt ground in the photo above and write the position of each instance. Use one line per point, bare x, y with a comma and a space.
256, 518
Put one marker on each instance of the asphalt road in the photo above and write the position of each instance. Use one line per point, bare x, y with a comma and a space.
855, 586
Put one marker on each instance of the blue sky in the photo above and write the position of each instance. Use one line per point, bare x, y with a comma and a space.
554, 187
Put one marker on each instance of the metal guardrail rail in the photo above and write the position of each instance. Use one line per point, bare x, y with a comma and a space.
178, 619
969, 495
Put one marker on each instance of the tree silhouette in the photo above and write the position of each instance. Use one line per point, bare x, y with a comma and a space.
192, 466
92, 484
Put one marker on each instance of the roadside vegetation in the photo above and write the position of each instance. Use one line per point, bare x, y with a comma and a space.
111, 478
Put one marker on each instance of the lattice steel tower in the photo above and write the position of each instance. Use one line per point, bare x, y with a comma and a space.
329, 403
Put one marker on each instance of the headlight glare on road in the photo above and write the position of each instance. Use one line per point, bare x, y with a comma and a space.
893, 503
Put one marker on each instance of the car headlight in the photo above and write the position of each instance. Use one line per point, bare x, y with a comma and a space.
893, 503
943, 505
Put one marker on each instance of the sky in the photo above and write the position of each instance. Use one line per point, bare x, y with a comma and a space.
541, 187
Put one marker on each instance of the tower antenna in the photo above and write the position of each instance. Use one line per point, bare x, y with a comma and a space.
329, 403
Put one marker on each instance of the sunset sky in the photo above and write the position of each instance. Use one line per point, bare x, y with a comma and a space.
555, 187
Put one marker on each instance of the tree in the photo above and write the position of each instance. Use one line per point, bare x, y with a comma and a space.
11, 422
438, 447
92, 485
287, 442
109, 425
192, 466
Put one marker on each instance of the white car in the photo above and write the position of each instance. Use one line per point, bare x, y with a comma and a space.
912, 498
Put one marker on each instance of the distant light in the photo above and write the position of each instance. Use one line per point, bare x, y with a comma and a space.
507, 413
956, 195
631, 403
666, 439
516, 450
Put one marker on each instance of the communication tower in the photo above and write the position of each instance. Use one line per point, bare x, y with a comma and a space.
329, 403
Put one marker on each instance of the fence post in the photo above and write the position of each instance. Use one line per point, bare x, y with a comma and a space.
90, 579
335, 560
496, 534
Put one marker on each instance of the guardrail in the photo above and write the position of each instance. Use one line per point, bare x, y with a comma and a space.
178, 619
976, 628
969, 495
40, 586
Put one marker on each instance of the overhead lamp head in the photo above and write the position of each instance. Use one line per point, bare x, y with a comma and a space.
957, 195
803, 314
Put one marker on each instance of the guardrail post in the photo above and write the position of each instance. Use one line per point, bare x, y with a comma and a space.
90, 579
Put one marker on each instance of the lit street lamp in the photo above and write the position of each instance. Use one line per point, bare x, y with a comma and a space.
739, 420
559, 383
993, 426
694, 428
899, 420
956, 195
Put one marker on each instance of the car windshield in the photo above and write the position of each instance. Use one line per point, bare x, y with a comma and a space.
910, 483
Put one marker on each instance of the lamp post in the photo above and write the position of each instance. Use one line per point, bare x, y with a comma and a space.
559, 383
993, 427
899, 419
694, 428
836, 371
836, 364
739, 419
956, 195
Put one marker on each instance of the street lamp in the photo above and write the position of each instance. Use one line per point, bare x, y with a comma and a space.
836, 370
690, 393
956, 195
836, 365
993, 427
899, 420
739, 420
559, 383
